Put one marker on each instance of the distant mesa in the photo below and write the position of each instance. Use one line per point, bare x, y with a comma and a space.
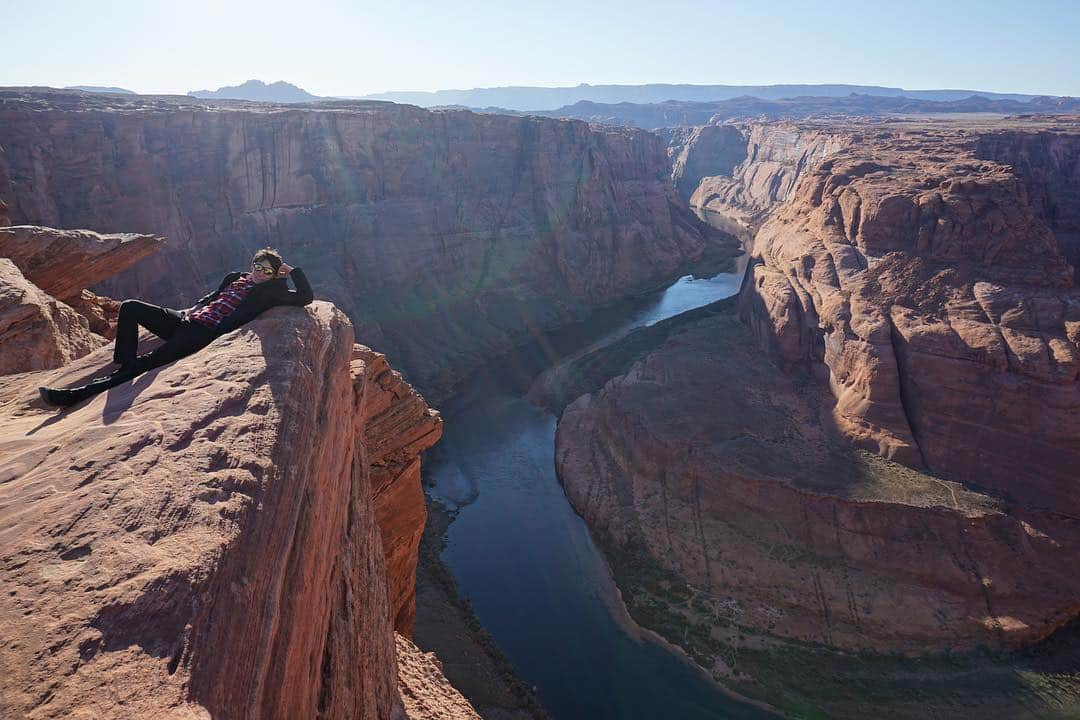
101, 89
257, 90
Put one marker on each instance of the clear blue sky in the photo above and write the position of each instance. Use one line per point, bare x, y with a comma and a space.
354, 48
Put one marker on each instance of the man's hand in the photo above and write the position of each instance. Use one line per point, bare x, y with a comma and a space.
285, 269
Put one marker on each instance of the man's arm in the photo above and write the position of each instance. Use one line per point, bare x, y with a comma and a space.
302, 295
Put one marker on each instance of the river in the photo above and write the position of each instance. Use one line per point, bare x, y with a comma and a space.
524, 558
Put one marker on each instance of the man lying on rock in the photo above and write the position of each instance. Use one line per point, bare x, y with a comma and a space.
240, 298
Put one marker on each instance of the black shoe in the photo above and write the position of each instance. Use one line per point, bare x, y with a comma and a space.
125, 367
57, 397
124, 371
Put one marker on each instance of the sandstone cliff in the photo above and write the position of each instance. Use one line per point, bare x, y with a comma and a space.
924, 271
723, 470
743, 172
795, 569
913, 299
38, 331
63, 263
446, 236
921, 282
205, 540
47, 317
398, 426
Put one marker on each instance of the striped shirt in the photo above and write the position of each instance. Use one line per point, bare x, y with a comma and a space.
225, 303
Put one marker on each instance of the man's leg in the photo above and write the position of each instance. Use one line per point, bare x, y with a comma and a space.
161, 321
189, 338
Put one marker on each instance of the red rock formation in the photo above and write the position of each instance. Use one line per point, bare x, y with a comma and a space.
744, 175
63, 263
447, 236
720, 469
101, 312
704, 151
201, 541
922, 284
398, 426
1048, 165
424, 689
37, 331
914, 296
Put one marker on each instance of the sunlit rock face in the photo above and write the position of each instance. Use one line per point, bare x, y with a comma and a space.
744, 171
37, 331
207, 540
707, 463
926, 286
909, 299
62, 264
446, 236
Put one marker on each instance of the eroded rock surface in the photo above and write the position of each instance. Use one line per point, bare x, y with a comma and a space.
42, 327
426, 693
38, 331
447, 236
742, 527
725, 471
910, 299
398, 426
925, 286
64, 263
743, 172
202, 541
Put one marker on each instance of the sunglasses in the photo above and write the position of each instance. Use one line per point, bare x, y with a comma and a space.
264, 269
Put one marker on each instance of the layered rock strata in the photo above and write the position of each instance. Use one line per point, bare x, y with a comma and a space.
914, 302
926, 288
38, 331
203, 541
742, 172
398, 426
703, 151
726, 473
48, 317
446, 236
1047, 163
64, 263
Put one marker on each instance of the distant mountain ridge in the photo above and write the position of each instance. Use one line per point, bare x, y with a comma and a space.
545, 98
101, 89
674, 113
258, 91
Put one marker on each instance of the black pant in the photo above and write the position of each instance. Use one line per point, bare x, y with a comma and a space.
182, 338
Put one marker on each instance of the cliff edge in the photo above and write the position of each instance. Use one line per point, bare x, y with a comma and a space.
205, 541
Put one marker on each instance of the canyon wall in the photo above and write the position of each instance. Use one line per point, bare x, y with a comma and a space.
874, 447
208, 540
724, 472
1048, 165
924, 286
927, 272
398, 426
743, 171
446, 236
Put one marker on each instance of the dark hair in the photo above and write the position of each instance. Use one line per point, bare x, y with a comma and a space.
270, 254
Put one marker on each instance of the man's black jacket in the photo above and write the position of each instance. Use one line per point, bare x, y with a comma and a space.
265, 295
